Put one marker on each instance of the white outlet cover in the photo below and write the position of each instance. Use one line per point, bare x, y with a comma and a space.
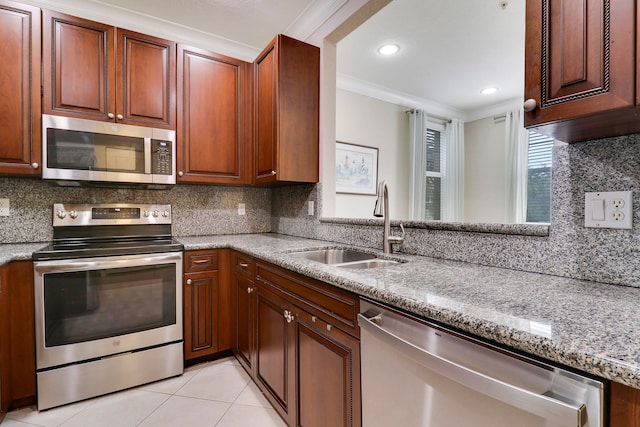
608, 209
4, 207
241, 209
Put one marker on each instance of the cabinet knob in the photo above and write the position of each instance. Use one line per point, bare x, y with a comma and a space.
329, 327
120, 117
110, 115
35, 165
530, 105
189, 281
180, 173
249, 289
313, 319
288, 316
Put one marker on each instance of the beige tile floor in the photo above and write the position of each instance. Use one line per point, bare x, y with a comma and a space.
214, 394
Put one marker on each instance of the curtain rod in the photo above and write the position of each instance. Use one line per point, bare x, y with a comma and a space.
429, 116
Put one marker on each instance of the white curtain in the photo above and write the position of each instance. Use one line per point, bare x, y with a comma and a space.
453, 171
417, 140
517, 141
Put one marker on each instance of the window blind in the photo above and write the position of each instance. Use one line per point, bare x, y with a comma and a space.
539, 178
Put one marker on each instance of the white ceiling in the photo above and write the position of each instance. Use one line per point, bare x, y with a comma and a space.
450, 49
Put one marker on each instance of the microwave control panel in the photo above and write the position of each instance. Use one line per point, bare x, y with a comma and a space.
161, 157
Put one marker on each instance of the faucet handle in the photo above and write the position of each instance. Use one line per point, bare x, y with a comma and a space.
398, 239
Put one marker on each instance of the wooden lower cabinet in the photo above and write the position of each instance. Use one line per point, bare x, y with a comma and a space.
17, 336
243, 290
307, 349
206, 298
624, 410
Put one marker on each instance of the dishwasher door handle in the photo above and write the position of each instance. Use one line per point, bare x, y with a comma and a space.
556, 411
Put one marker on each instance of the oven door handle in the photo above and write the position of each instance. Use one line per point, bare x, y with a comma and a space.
102, 263
557, 411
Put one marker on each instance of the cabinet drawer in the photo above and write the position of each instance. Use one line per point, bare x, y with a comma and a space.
200, 261
329, 304
243, 264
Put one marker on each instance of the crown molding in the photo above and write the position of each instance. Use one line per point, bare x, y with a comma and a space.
314, 17
383, 93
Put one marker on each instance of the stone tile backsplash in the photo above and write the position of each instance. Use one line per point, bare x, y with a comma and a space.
197, 209
570, 249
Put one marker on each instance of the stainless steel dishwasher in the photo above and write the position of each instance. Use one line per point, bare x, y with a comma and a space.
416, 374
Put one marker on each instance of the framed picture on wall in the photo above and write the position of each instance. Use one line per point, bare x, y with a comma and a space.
356, 169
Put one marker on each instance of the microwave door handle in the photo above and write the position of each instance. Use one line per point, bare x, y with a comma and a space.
147, 156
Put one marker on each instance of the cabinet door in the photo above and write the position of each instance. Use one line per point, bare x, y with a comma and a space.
275, 352
287, 111
146, 80
20, 149
577, 61
200, 314
244, 291
78, 59
213, 138
328, 372
266, 125
625, 406
5, 355
22, 332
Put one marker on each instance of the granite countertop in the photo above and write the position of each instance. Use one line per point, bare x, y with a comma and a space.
585, 325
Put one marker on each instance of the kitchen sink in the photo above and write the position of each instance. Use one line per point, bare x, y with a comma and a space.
345, 258
371, 263
334, 256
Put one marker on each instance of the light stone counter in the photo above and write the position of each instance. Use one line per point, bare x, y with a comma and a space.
589, 326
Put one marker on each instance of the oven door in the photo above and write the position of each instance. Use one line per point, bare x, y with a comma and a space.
90, 308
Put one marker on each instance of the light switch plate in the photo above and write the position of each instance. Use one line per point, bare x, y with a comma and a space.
4, 207
241, 209
608, 209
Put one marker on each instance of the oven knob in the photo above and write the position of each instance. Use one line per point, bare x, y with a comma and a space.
145, 214
73, 214
165, 214
155, 214
61, 214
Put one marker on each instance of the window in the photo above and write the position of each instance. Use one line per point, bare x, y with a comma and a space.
539, 178
434, 153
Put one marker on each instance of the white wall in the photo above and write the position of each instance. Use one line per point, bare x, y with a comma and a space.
484, 173
366, 121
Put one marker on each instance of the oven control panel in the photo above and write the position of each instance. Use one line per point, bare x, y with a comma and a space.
110, 214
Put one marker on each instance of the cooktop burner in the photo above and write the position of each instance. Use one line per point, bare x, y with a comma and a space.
81, 231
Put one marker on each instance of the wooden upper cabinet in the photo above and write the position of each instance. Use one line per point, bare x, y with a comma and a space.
99, 72
20, 121
580, 67
214, 98
287, 85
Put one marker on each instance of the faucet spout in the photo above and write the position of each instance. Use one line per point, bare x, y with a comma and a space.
381, 209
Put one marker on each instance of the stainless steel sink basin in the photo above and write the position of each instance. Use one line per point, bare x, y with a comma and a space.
334, 256
372, 263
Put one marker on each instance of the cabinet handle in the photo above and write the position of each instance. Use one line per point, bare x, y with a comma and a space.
249, 289
329, 327
120, 117
110, 115
288, 316
200, 261
243, 265
189, 281
530, 105
35, 165
313, 319
180, 173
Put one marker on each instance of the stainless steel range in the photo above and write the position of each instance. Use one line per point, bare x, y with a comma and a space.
108, 301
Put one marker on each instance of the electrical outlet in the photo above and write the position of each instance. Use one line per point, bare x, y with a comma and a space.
241, 209
4, 207
311, 207
612, 209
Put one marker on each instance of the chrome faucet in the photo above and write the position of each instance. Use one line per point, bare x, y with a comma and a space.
382, 210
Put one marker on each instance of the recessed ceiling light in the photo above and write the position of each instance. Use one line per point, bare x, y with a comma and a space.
489, 90
388, 49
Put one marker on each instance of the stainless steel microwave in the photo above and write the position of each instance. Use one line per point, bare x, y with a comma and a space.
79, 151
